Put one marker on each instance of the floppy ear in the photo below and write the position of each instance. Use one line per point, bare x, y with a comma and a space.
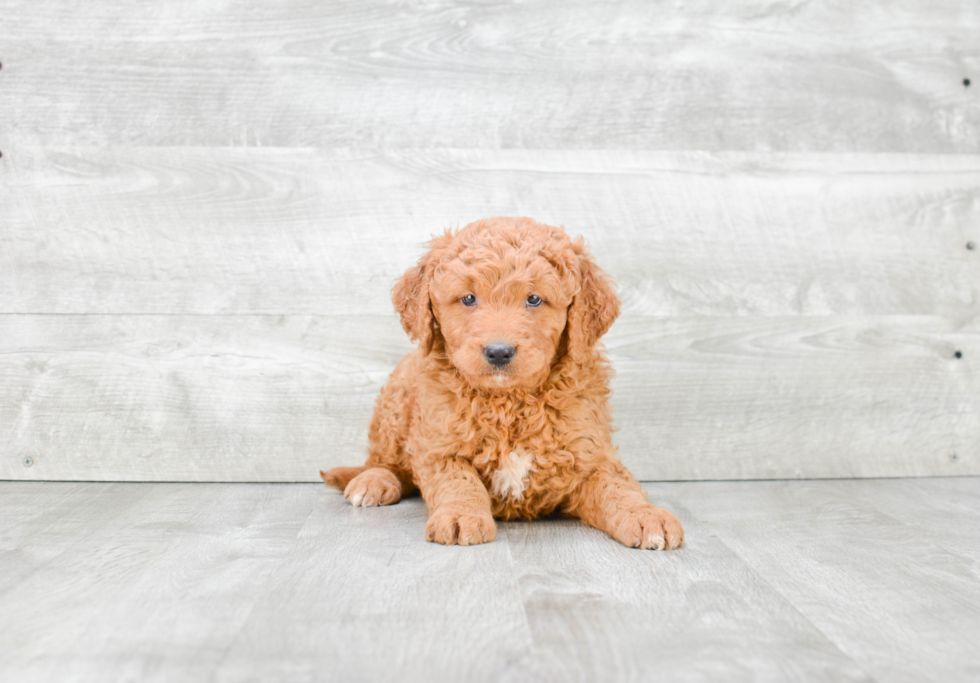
593, 309
411, 294
411, 298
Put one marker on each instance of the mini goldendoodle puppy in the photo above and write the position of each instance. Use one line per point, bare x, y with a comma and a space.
502, 410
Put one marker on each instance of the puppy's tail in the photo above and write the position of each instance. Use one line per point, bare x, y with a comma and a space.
339, 477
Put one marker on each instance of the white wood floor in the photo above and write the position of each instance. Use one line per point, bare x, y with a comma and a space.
780, 580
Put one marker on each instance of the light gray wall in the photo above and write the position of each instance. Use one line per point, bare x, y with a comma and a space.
203, 207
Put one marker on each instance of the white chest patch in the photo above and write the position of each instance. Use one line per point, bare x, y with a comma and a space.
509, 480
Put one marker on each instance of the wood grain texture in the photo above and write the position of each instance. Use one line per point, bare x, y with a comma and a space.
751, 75
777, 581
797, 397
39, 526
203, 208
275, 398
696, 615
946, 511
360, 596
547, 601
144, 582
191, 398
912, 617
327, 232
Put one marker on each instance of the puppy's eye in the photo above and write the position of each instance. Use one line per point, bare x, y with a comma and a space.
534, 300
469, 300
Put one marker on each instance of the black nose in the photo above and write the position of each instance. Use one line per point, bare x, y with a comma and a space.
498, 354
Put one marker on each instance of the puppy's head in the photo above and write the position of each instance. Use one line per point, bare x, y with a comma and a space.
503, 299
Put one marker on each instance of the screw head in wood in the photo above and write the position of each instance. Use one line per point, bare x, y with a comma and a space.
28, 461
966, 82
958, 354
971, 246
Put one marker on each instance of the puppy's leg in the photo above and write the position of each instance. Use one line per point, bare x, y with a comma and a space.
339, 477
389, 472
613, 501
459, 505
386, 476
378, 486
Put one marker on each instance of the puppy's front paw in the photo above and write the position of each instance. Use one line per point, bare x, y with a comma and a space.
647, 527
376, 486
454, 526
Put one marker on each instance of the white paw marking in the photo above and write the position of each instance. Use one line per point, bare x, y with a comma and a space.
656, 542
508, 481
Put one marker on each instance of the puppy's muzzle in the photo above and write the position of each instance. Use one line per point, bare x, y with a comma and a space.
498, 353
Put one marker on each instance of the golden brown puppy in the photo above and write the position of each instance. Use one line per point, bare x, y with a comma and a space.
502, 410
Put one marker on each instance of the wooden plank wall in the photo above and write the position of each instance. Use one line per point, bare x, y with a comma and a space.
203, 207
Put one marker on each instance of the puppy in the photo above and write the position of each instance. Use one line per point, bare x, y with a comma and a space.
502, 411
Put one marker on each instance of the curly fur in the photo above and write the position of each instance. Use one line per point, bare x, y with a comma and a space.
519, 441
